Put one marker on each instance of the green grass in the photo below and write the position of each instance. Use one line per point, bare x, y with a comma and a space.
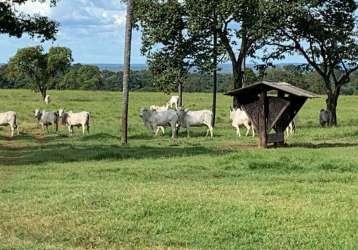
61, 192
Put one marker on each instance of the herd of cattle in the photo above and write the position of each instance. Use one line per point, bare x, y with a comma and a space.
156, 119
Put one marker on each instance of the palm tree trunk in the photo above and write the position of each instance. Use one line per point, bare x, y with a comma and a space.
126, 70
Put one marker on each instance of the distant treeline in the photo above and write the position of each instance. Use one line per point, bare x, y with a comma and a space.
91, 77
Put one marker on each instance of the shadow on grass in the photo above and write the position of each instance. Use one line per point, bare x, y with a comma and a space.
62, 153
323, 145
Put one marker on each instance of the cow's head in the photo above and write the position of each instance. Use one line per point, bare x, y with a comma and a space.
61, 112
38, 113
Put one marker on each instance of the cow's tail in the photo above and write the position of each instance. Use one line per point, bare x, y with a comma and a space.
15, 121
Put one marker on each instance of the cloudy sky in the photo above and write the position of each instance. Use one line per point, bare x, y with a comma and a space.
93, 29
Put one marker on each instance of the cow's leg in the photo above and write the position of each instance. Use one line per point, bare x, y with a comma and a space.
12, 130
69, 129
56, 127
162, 128
247, 126
83, 129
187, 130
210, 130
174, 127
88, 128
253, 130
238, 130
156, 131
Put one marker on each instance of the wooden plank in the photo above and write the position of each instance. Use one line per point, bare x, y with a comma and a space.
262, 120
277, 106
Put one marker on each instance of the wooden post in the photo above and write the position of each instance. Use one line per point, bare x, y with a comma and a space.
263, 120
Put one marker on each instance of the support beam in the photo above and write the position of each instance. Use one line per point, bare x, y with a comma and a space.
263, 120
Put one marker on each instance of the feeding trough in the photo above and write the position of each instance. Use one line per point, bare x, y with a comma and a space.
271, 106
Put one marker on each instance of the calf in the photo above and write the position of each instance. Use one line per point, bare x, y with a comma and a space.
9, 118
198, 118
240, 118
153, 119
46, 119
79, 119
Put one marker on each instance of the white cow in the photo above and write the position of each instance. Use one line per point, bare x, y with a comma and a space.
47, 118
71, 120
188, 118
153, 119
9, 118
174, 100
159, 108
240, 118
47, 99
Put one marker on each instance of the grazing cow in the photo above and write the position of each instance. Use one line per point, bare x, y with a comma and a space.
47, 99
159, 108
9, 118
198, 118
46, 119
324, 117
240, 118
71, 120
152, 119
174, 100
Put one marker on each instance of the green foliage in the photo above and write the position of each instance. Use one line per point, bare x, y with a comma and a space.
15, 23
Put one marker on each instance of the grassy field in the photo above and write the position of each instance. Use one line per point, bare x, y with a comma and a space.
60, 192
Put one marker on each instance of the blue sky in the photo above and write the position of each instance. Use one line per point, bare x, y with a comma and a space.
93, 29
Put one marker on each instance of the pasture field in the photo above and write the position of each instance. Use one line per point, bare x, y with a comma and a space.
83, 192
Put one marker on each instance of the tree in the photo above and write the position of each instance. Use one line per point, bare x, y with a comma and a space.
324, 33
15, 23
169, 46
39, 69
126, 70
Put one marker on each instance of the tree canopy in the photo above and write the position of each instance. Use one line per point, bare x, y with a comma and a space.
325, 34
37, 68
16, 23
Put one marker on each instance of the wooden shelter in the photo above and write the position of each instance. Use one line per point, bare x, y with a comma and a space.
271, 105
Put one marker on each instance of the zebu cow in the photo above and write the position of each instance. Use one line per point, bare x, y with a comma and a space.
188, 118
46, 119
174, 100
9, 118
159, 108
324, 118
240, 118
153, 119
71, 120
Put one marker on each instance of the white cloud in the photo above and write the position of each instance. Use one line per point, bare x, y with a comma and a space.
31, 7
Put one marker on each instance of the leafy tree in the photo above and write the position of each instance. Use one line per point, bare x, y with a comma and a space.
15, 23
39, 69
324, 33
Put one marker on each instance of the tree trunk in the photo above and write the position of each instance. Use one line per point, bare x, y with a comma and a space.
180, 93
332, 101
43, 93
215, 79
238, 79
126, 70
